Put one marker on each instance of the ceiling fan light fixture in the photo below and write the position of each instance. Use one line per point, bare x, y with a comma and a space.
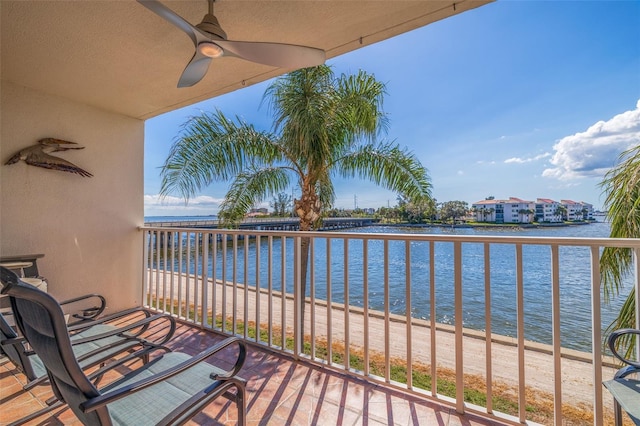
211, 50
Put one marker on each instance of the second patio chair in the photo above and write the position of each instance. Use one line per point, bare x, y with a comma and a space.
625, 389
170, 389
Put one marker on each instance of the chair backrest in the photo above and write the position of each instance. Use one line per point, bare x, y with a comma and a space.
41, 320
14, 349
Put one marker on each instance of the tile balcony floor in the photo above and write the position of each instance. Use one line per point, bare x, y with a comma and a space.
280, 391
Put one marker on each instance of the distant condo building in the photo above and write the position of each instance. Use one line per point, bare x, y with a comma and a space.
577, 210
515, 210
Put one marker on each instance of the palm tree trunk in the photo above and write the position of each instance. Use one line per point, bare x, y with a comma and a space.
302, 289
308, 210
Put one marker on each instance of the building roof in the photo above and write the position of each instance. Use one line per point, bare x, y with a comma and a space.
510, 200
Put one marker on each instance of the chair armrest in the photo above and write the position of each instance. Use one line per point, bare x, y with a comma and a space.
144, 324
87, 313
611, 341
625, 371
117, 394
122, 317
120, 361
108, 318
13, 341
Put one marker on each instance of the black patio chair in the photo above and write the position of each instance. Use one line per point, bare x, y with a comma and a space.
94, 340
170, 389
624, 389
127, 335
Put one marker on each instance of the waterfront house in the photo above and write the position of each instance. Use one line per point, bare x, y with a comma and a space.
93, 72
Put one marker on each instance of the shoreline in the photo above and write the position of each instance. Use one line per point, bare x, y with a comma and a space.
488, 225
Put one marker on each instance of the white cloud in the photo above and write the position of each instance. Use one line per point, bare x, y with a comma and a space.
202, 205
519, 160
592, 152
460, 172
197, 204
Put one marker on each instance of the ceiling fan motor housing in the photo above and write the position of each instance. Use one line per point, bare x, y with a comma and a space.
211, 25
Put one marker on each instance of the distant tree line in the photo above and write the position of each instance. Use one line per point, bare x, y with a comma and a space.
427, 210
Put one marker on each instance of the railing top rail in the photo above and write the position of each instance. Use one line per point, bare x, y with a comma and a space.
556, 241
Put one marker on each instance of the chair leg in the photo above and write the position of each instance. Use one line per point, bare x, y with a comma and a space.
241, 403
33, 383
617, 413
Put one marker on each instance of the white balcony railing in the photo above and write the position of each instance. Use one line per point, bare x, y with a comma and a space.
413, 311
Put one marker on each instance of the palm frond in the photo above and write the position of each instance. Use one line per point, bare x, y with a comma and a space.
622, 187
302, 103
361, 105
210, 148
389, 166
250, 188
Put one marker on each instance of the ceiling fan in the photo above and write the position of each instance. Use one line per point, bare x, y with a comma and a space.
210, 41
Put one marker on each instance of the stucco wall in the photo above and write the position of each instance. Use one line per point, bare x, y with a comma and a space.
85, 227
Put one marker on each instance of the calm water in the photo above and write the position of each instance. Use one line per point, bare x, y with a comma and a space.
575, 295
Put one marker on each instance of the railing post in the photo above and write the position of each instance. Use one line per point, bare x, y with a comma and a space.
205, 280
146, 241
522, 415
596, 333
487, 322
636, 286
432, 318
346, 303
298, 299
555, 324
457, 285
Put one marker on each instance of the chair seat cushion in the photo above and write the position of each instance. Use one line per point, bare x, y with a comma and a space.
150, 405
627, 392
107, 347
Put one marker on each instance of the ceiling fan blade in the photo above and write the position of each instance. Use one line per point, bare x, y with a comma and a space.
169, 15
275, 54
210, 42
195, 70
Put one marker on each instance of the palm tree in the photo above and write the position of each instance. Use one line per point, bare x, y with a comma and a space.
585, 213
324, 126
561, 211
522, 213
622, 187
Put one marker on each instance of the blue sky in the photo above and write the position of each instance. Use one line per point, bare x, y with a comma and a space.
517, 98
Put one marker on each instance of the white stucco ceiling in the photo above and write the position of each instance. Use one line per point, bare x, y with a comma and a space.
119, 56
